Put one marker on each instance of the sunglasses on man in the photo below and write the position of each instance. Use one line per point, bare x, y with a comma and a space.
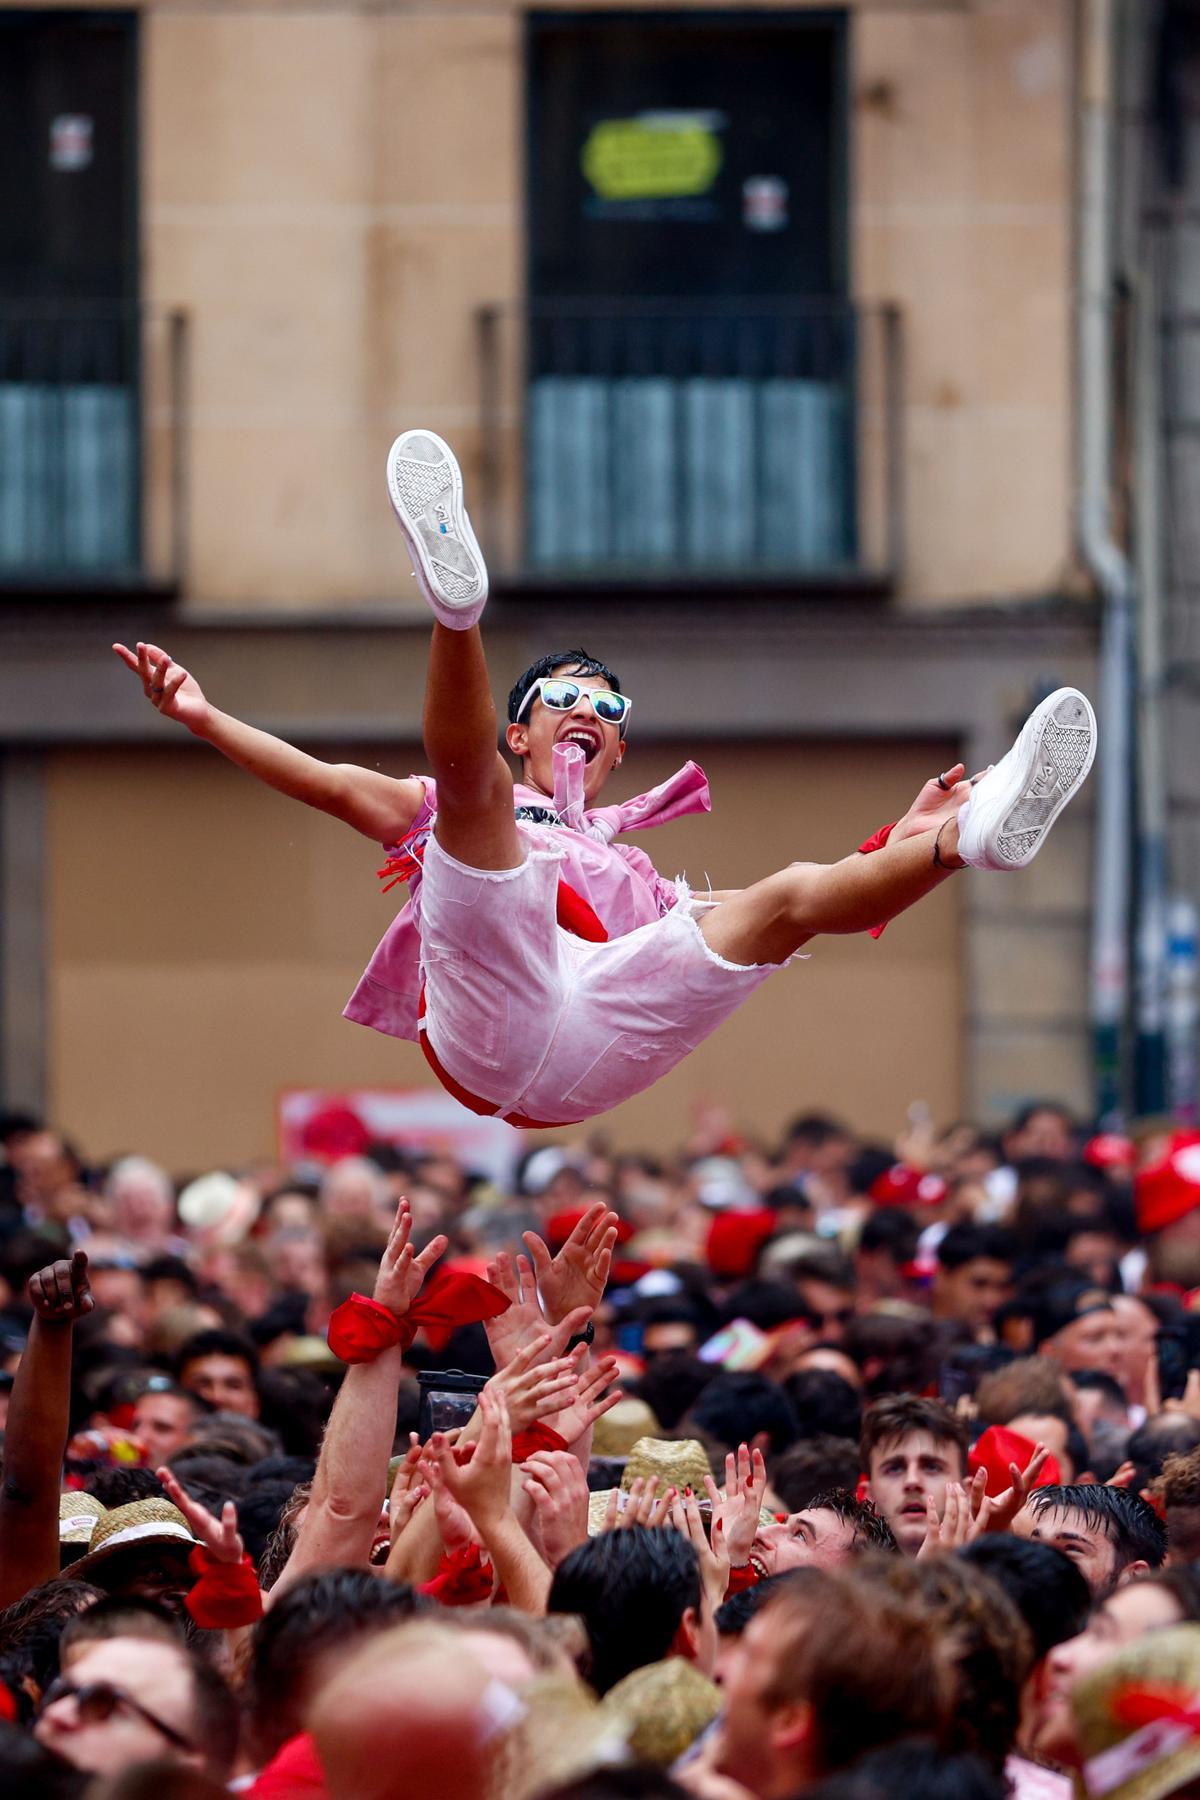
96, 1701
561, 695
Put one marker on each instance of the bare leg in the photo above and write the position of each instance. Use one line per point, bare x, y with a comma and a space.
767, 922
475, 820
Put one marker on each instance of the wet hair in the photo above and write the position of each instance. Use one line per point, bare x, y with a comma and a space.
871, 1531
1132, 1527
570, 662
631, 1589
902, 1415
1044, 1585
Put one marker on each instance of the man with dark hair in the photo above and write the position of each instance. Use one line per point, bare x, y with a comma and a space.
548, 973
640, 1595
128, 1700
833, 1529
1110, 1534
310, 1630
222, 1368
911, 1450
163, 1416
974, 1276
1075, 1324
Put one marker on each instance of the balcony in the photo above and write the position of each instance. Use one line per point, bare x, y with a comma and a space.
677, 446
92, 411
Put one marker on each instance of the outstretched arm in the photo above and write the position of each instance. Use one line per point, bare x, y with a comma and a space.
350, 1482
377, 805
36, 1438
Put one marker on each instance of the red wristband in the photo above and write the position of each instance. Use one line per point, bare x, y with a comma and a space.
538, 1437
226, 1595
876, 841
463, 1578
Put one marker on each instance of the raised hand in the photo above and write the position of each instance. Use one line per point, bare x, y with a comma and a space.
401, 1273
525, 1320
168, 687
998, 1514
534, 1389
558, 1488
408, 1490
481, 1486
577, 1276
936, 803
714, 1555
60, 1293
644, 1505
735, 1515
591, 1401
220, 1537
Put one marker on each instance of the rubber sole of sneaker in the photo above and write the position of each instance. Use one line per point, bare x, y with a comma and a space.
1061, 745
426, 491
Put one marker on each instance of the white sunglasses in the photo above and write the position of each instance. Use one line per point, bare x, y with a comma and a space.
561, 695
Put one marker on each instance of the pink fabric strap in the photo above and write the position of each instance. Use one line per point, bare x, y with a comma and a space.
684, 792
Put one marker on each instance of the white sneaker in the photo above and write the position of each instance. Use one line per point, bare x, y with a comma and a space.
1004, 823
426, 490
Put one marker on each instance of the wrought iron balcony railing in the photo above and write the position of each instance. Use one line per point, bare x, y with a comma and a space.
92, 471
660, 444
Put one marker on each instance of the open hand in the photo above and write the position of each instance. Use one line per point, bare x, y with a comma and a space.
998, 1514
482, 1485
168, 687
591, 1400
558, 1488
401, 1273
524, 1320
577, 1276
714, 1556
735, 1516
644, 1505
60, 1293
534, 1389
220, 1537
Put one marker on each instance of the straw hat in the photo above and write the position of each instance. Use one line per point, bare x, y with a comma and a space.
618, 1430
678, 1463
78, 1515
560, 1735
1137, 1718
140, 1524
662, 1708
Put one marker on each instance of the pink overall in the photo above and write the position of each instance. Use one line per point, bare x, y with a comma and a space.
525, 1017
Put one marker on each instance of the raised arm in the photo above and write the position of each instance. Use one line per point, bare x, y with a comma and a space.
350, 1483
36, 1439
379, 806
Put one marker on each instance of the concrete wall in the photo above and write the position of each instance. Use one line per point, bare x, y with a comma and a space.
331, 193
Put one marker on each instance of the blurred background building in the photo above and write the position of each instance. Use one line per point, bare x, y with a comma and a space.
806, 363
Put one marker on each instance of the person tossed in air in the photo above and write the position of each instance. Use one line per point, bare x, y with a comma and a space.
548, 972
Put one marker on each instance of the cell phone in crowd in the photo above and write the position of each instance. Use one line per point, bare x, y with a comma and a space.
448, 1398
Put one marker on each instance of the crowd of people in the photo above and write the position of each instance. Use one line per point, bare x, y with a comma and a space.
820, 1467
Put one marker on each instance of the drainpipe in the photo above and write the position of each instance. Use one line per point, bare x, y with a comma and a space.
1103, 557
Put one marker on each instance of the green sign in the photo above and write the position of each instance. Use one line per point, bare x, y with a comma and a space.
671, 157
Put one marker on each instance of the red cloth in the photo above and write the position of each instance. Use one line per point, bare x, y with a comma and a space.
735, 1239
876, 841
536, 1437
293, 1773
226, 1594
360, 1329
8, 1705
1167, 1190
902, 1186
741, 1579
996, 1448
463, 1578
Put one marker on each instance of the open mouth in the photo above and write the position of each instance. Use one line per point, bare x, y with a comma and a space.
588, 741
379, 1552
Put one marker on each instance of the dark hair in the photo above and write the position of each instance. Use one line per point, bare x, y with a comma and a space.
231, 1436
260, 1509
31, 1632
905, 1352
631, 1589
824, 1403
1167, 1434
736, 1407
217, 1342
1132, 1527
812, 1467
28, 1772
913, 1766
1044, 1585
732, 1618
816, 1129
119, 1615
638, 1782
671, 1384
216, 1715
1098, 1381
964, 1243
317, 1613
871, 1531
901, 1415
765, 1303
171, 1268
210, 1479
893, 1229
572, 662
120, 1486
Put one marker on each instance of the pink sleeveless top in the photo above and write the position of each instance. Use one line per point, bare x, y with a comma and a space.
618, 881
